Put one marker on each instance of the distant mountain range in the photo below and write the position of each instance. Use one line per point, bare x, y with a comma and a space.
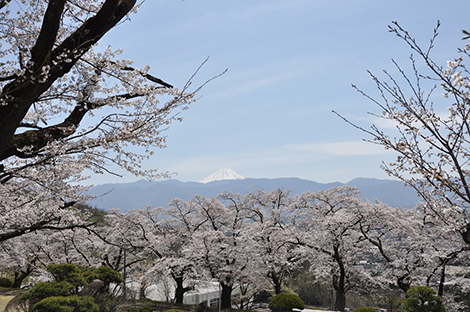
136, 195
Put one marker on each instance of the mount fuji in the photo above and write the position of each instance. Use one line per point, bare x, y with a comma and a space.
223, 174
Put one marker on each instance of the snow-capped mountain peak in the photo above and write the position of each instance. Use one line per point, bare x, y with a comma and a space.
223, 174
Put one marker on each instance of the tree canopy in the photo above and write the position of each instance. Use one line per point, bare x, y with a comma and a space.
430, 132
68, 107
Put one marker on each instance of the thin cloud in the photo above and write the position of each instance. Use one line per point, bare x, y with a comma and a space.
350, 148
201, 166
268, 75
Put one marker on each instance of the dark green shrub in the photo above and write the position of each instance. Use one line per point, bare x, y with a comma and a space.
108, 275
91, 284
422, 299
43, 290
149, 309
365, 309
88, 273
201, 307
67, 272
5, 282
66, 304
285, 302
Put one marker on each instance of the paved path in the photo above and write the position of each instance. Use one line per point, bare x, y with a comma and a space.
6, 295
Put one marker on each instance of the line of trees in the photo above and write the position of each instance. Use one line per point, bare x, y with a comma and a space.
254, 241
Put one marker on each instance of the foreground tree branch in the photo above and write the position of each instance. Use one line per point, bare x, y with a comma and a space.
432, 140
47, 63
68, 107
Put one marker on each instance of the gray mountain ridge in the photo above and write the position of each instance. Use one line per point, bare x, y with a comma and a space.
137, 195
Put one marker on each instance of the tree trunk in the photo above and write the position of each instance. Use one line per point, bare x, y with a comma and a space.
340, 291
21, 275
180, 289
19, 278
340, 301
403, 283
440, 291
226, 297
277, 282
277, 288
142, 290
339, 283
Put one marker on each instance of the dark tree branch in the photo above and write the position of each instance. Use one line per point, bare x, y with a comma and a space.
47, 36
18, 95
4, 3
7, 78
39, 138
150, 77
40, 225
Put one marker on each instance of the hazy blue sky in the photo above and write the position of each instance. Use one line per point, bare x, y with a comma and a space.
290, 63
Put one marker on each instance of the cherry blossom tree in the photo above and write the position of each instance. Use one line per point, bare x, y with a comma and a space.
43, 41
410, 248
167, 232
271, 232
207, 240
27, 206
396, 244
220, 244
250, 255
124, 241
327, 223
181, 221
431, 135
27, 254
69, 107
18, 259
444, 248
